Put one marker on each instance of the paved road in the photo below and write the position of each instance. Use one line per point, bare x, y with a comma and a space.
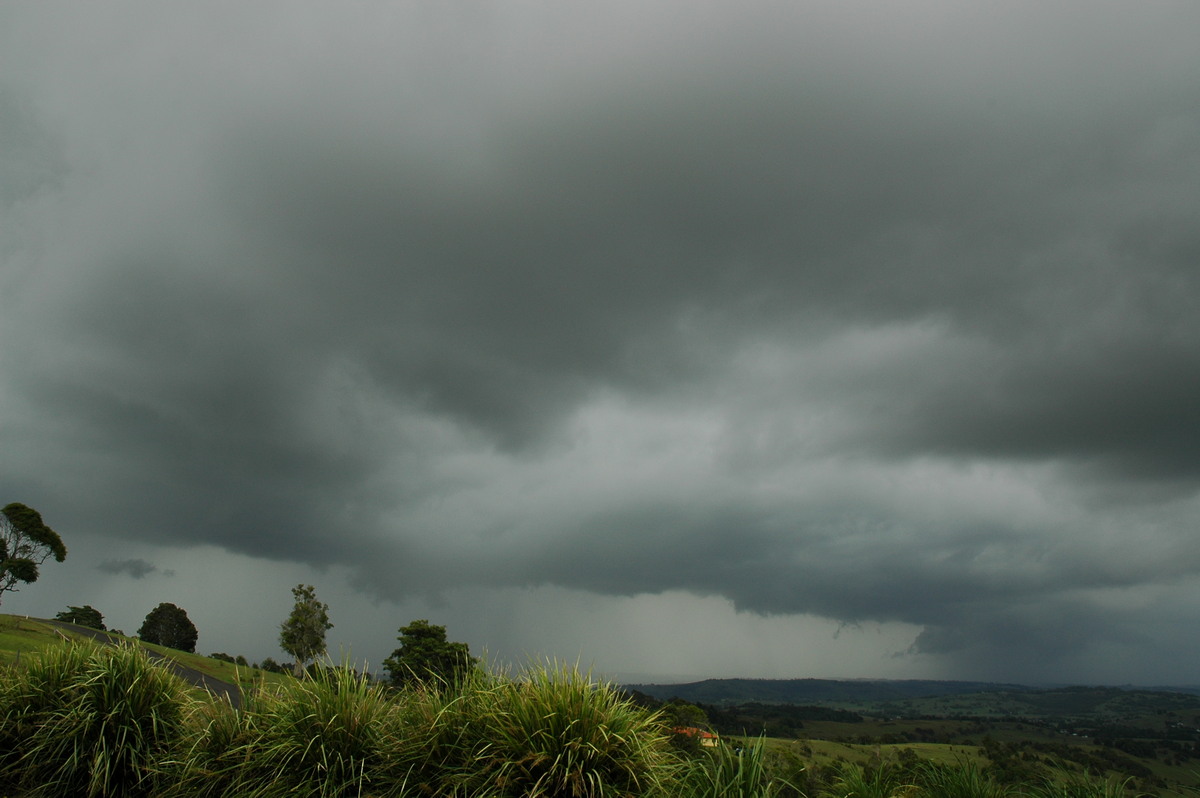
190, 675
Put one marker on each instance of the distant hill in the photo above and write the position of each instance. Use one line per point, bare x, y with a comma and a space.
816, 691
945, 699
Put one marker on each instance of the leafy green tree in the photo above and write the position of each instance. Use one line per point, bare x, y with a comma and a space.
25, 543
168, 625
425, 655
303, 634
271, 665
684, 720
87, 615
239, 660
678, 713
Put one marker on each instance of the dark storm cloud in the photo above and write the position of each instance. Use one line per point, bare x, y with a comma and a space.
136, 568
885, 317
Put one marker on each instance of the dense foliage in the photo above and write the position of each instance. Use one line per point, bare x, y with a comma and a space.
87, 615
168, 625
25, 543
425, 655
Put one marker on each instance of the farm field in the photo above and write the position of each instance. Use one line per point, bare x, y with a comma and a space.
1150, 737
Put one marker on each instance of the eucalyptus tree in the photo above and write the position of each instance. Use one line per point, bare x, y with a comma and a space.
303, 633
25, 543
87, 615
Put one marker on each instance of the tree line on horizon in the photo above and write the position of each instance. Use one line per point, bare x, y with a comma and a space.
26, 542
425, 654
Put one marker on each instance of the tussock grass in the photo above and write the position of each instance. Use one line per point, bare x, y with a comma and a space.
884, 781
1084, 786
445, 735
100, 721
728, 772
556, 732
966, 780
549, 732
330, 734
90, 721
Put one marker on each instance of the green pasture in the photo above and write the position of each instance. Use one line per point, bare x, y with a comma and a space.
21, 638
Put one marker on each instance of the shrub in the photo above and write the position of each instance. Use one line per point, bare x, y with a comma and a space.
329, 735
555, 732
90, 721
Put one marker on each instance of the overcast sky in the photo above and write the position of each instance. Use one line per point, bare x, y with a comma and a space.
795, 339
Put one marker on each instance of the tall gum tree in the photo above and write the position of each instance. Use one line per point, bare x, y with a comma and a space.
25, 543
303, 633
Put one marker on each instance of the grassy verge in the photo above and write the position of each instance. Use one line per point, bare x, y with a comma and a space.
20, 637
81, 719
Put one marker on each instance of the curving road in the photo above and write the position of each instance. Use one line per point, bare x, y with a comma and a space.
216, 687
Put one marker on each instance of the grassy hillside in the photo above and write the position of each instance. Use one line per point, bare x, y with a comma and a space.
497, 733
1018, 735
22, 637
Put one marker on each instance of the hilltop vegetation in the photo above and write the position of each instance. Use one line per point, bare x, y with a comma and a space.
81, 719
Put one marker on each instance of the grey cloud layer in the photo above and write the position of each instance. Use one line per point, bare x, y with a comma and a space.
135, 567
883, 318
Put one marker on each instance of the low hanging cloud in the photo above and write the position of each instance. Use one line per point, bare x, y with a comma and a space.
136, 568
880, 318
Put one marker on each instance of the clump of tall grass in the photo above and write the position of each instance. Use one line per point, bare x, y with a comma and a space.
964, 780
553, 731
214, 752
880, 781
444, 734
1084, 786
90, 721
726, 772
332, 733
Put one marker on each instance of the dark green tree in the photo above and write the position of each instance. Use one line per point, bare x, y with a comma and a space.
303, 634
25, 543
271, 665
87, 615
684, 720
168, 625
426, 656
